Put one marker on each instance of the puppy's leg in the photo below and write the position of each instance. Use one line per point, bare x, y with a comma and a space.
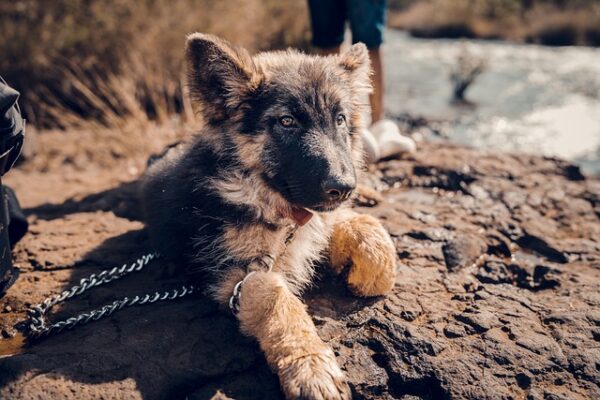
306, 366
361, 242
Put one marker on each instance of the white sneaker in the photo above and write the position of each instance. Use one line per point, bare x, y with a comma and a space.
370, 147
391, 142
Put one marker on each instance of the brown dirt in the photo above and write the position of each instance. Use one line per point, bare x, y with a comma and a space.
497, 293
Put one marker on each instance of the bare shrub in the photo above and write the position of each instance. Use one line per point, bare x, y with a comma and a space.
468, 67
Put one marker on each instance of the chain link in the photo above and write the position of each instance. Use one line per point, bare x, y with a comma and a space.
39, 327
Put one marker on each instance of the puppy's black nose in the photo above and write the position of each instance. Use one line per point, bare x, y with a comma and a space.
337, 189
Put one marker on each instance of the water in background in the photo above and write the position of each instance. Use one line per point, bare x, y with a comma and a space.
530, 98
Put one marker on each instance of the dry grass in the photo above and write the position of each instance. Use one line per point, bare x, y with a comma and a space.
105, 61
550, 22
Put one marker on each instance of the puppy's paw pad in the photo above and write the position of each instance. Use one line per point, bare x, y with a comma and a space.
315, 377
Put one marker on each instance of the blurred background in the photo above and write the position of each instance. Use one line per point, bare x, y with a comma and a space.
502, 74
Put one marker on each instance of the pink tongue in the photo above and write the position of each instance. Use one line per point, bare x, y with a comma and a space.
301, 215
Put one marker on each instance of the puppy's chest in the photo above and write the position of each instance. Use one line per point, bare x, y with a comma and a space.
304, 249
293, 251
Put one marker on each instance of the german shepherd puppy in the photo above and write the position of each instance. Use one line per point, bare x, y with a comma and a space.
277, 159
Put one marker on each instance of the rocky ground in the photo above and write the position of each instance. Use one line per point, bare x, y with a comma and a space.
498, 291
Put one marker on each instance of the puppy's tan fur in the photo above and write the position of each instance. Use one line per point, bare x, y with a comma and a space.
211, 206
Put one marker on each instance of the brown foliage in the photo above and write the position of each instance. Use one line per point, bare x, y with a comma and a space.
550, 22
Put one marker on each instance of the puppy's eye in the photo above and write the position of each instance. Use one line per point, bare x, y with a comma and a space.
287, 121
340, 119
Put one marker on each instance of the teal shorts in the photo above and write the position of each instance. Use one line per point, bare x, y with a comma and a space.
366, 17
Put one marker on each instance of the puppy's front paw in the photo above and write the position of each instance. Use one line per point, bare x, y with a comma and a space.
314, 377
363, 243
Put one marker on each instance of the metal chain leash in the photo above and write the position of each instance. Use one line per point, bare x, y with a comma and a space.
39, 326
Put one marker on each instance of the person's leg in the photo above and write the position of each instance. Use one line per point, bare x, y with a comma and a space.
328, 18
367, 22
376, 96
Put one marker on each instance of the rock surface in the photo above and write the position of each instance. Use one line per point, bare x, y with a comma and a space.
498, 291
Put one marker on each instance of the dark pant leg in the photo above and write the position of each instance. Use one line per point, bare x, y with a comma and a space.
328, 18
367, 21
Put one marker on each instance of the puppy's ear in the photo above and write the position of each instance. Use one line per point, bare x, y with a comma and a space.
355, 61
356, 68
220, 76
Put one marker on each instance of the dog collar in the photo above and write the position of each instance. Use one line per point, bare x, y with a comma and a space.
263, 264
